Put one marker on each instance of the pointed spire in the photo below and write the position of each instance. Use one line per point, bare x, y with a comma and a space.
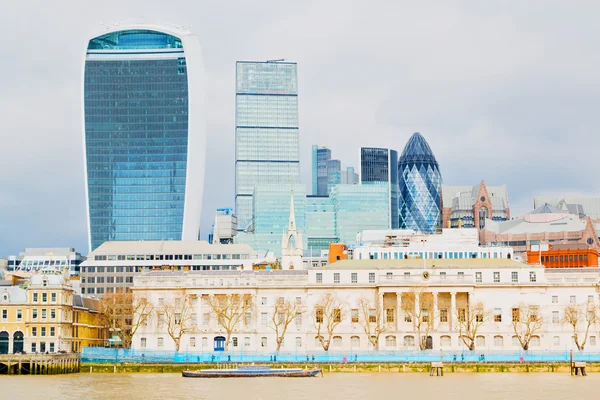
216, 237
292, 220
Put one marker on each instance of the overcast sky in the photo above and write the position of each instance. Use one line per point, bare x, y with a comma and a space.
505, 91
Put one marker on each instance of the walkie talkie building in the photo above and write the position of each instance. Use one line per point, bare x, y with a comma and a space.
144, 135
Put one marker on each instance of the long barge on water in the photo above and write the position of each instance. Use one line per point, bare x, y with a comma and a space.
252, 372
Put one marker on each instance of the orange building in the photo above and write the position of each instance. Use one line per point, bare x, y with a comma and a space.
337, 251
558, 256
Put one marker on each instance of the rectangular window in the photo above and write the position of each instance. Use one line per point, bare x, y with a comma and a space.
52, 331
389, 315
337, 315
461, 275
354, 315
462, 315
35, 297
478, 278
554, 299
371, 277
516, 315
407, 317
372, 315
532, 276
497, 315
442, 275
160, 342
319, 315
514, 277
263, 319
319, 277
53, 297
43, 347
161, 319
555, 317
496, 277
43, 331
4, 314
143, 343
44, 297
444, 315
34, 331
34, 313
52, 313
33, 347
590, 299
336, 277
592, 340
573, 299
299, 320
206, 319
354, 277
19, 315
44, 313
263, 301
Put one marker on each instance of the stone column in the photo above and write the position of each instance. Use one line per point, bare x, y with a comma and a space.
399, 317
382, 311
435, 316
452, 315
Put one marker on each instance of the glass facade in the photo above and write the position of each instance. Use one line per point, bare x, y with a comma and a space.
360, 207
334, 174
136, 136
381, 165
320, 224
271, 213
320, 158
266, 133
420, 185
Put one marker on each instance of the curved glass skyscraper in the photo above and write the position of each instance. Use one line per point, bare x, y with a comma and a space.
420, 187
144, 135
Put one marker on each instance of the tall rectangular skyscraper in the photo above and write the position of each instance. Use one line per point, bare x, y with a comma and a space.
379, 165
266, 130
320, 158
144, 135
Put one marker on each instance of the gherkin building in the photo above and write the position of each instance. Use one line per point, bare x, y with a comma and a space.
420, 187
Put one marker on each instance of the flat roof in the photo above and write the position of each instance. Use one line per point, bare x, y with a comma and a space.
169, 247
428, 264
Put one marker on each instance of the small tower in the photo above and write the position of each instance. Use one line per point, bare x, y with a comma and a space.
216, 238
291, 242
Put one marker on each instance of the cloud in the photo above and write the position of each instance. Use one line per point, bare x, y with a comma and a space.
505, 92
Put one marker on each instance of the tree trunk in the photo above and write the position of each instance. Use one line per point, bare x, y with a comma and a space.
472, 346
177, 344
227, 341
278, 344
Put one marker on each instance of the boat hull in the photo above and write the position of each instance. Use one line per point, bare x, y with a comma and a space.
282, 373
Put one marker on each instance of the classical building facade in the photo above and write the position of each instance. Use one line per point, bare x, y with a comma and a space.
46, 316
411, 305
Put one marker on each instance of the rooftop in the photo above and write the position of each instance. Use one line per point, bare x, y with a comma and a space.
169, 247
466, 263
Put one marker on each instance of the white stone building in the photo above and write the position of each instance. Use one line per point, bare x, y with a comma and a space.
453, 287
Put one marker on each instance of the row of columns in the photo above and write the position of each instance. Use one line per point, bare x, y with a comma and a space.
399, 314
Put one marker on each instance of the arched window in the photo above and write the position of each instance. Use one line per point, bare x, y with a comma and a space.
390, 341
337, 342
409, 341
535, 341
445, 341
193, 341
234, 341
556, 341
263, 342
318, 341
355, 342
298, 342
483, 214
160, 342
515, 341
498, 341
480, 341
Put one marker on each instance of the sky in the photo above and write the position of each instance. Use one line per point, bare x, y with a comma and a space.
505, 91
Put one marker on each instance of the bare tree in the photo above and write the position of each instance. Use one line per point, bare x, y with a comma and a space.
526, 322
284, 312
422, 317
370, 319
470, 319
329, 312
177, 316
578, 315
230, 309
124, 314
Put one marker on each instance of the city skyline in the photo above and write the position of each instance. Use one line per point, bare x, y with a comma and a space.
512, 86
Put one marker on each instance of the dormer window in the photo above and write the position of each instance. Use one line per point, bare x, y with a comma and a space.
45, 282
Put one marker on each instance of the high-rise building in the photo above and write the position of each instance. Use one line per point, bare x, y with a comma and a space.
379, 165
349, 177
320, 224
334, 174
320, 158
144, 135
266, 130
420, 187
358, 208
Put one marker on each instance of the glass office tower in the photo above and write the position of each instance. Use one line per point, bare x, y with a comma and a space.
420, 184
266, 130
320, 225
379, 165
144, 135
320, 159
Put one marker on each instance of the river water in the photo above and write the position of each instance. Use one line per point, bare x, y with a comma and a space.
363, 386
